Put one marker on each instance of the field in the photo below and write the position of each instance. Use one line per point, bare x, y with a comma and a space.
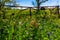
19, 25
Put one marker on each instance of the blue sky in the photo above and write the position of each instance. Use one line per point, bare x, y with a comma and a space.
29, 3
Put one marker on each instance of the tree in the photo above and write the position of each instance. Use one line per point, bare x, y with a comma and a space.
38, 3
2, 6
2, 9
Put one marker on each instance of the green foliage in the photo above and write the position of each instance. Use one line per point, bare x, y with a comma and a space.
17, 25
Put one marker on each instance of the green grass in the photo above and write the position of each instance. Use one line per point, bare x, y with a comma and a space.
18, 25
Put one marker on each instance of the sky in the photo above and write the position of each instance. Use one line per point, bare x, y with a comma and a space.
29, 3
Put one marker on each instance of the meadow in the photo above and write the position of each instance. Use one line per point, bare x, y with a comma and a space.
19, 25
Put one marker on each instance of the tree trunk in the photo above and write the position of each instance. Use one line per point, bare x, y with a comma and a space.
38, 6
